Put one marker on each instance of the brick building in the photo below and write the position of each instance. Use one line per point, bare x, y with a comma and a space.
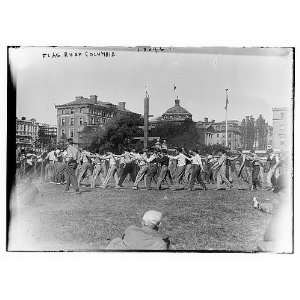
75, 116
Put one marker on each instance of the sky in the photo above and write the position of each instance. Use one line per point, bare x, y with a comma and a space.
258, 79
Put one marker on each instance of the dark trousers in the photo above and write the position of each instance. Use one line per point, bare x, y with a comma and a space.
151, 174
196, 175
164, 174
70, 178
255, 177
130, 169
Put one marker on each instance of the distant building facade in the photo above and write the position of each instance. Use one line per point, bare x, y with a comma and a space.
270, 137
47, 135
214, 133
31, 135
281, 135
26, 133
261, 133
75, 116
248, 133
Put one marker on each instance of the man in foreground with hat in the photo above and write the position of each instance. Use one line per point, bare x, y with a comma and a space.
146, 237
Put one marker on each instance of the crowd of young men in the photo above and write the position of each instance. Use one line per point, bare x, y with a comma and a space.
156, 167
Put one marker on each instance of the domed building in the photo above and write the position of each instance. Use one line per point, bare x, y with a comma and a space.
176, 113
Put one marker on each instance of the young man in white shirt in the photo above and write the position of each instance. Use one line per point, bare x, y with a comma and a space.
181, 163
153, 168
99, 170
143, 164
50, 167
221, 172
197, 168
86, 166
70, 166
112, 171
129, 168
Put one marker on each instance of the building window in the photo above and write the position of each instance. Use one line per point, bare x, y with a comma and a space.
63, 122
62, 111
92, 120
80, 121
72, 111
81, 110
62, 132
282, 115
71, 132
72, 121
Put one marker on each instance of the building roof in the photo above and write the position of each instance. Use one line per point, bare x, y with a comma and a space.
83, 100
279, 108
80, 101
93, 101
177, 109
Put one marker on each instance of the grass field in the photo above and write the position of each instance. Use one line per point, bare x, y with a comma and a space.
197, 220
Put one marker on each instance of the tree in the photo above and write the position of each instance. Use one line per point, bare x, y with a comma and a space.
117, 135
184, 134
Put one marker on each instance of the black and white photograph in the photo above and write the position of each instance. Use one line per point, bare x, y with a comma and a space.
150, 148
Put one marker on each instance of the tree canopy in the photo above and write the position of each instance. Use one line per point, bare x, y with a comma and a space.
117, 135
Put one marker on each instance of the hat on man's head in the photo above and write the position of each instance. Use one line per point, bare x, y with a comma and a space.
152, 217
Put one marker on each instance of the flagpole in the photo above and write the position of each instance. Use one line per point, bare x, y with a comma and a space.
174, 88
226, 117
146, 119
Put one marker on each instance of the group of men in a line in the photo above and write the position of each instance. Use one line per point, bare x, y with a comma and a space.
182, 169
